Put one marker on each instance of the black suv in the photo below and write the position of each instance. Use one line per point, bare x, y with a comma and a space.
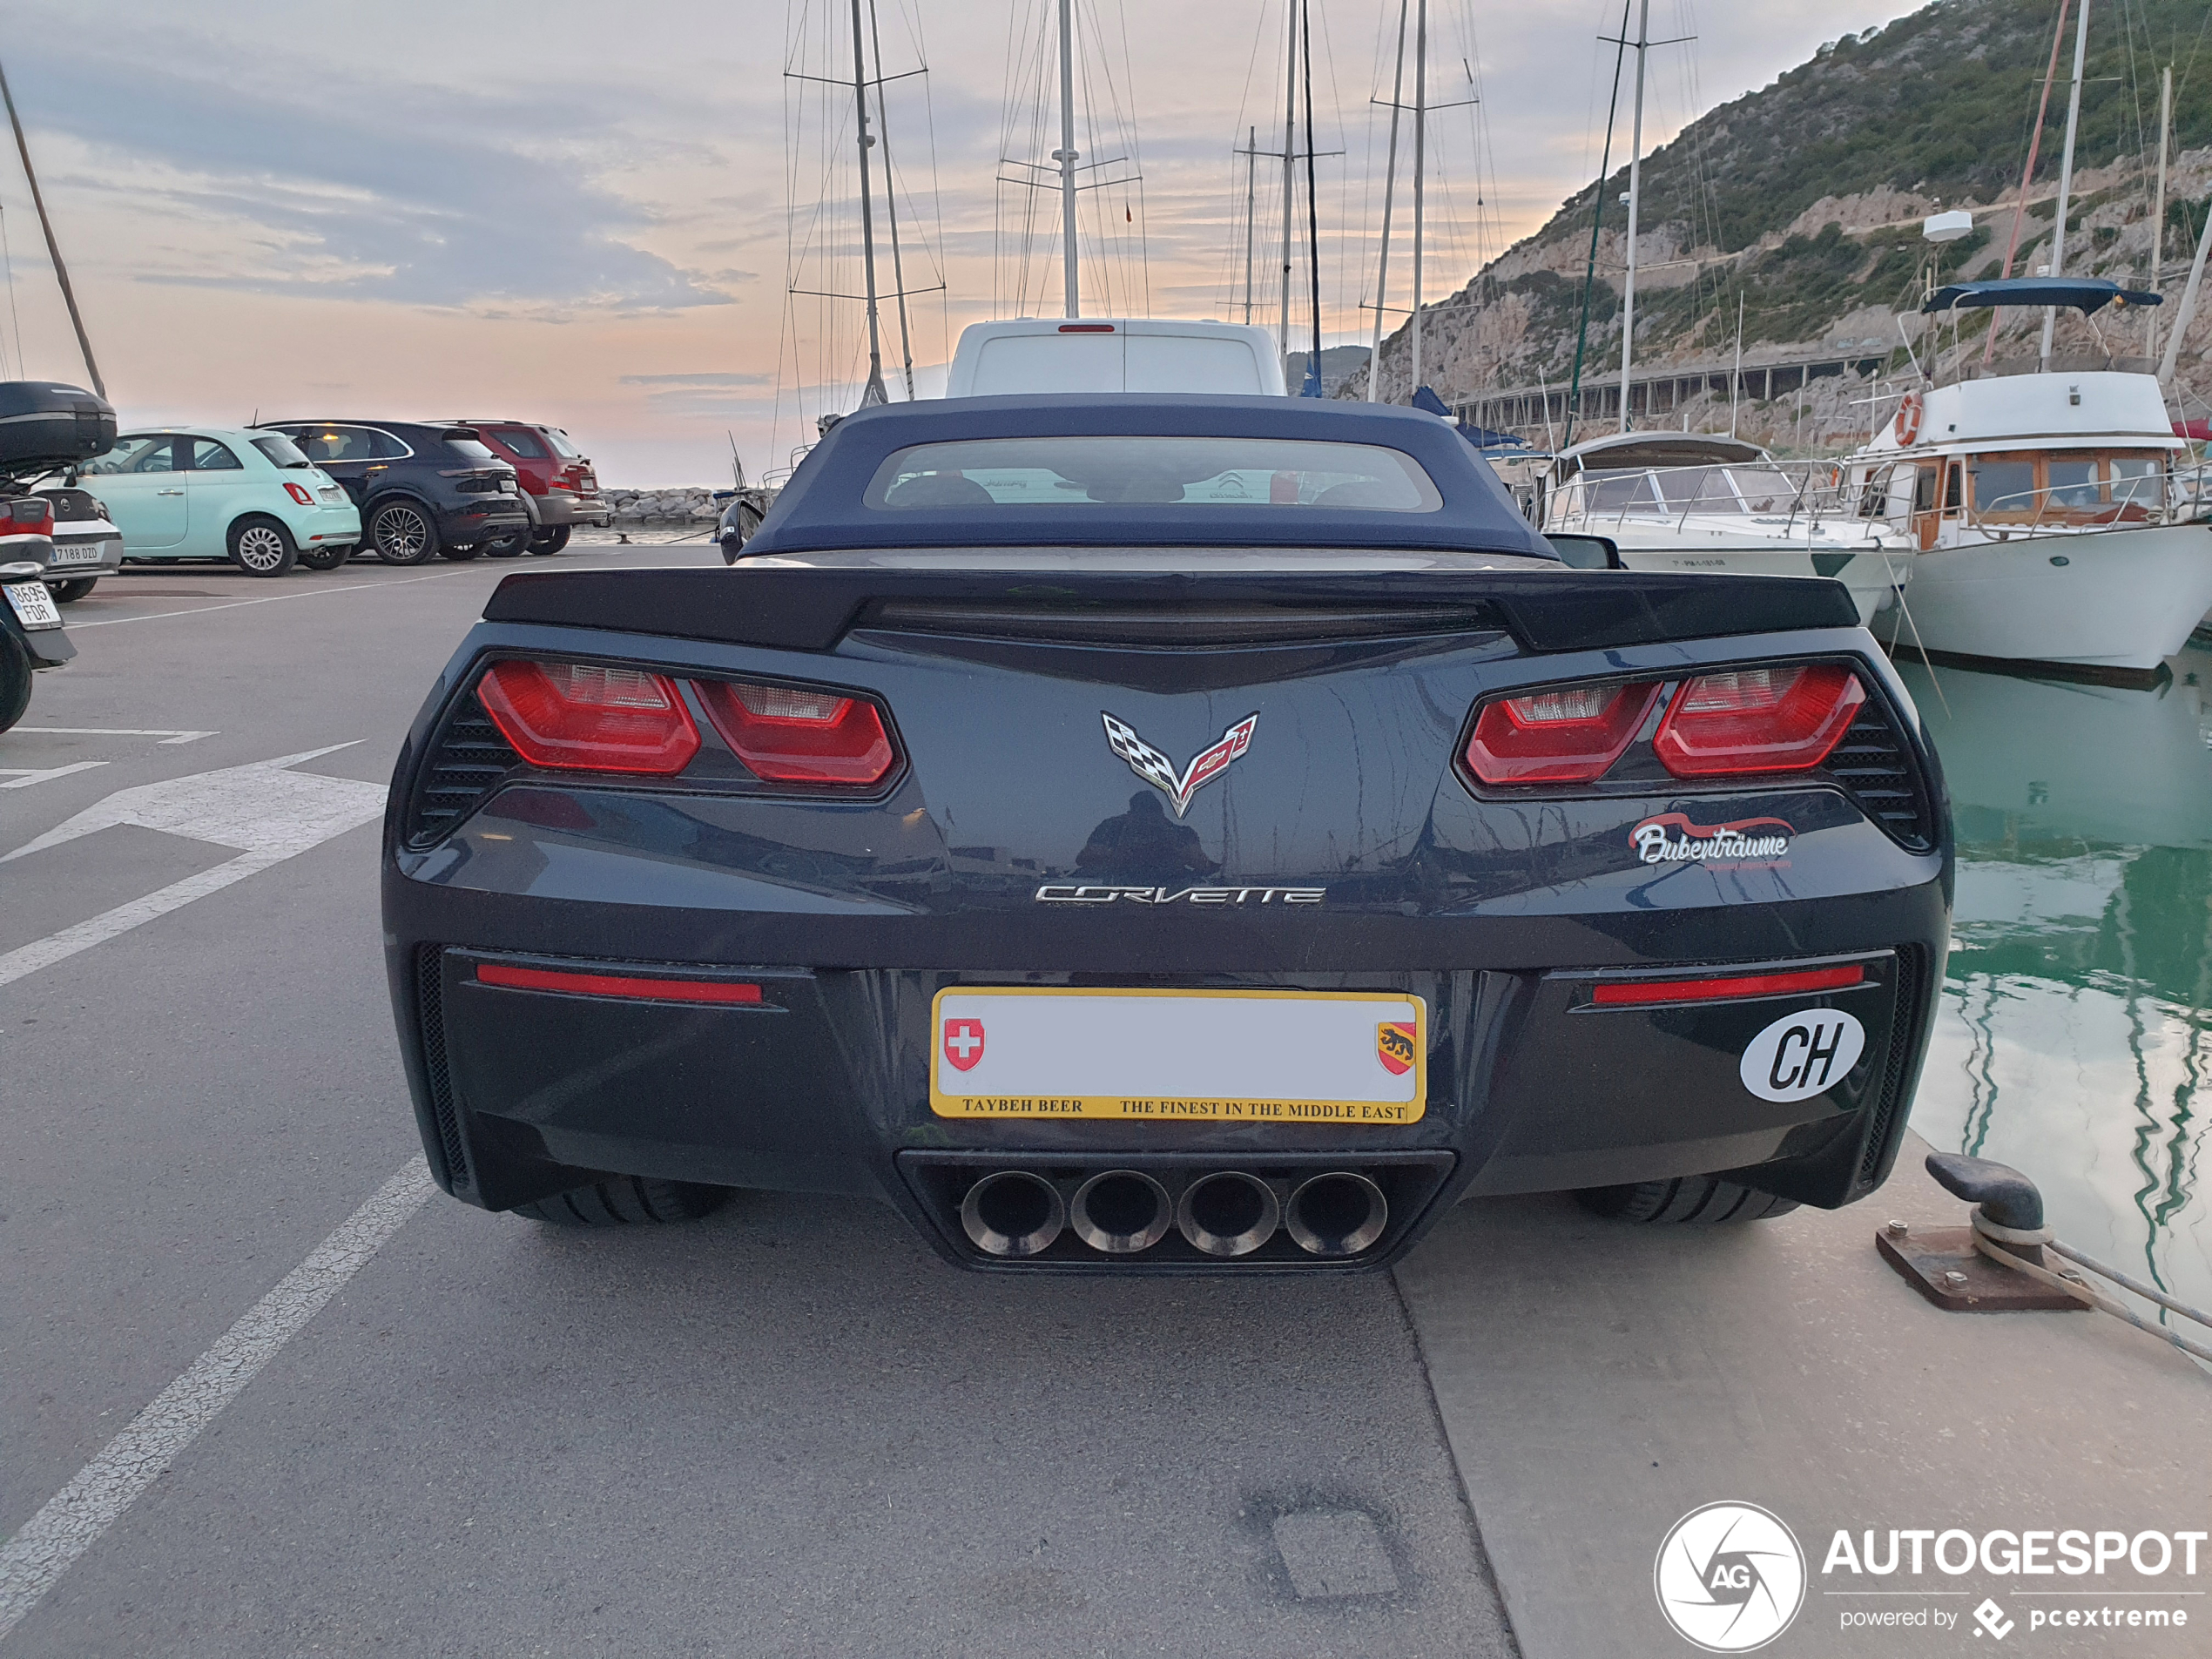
423, 489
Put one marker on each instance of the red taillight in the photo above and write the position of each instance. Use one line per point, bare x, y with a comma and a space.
579, 717
27, 515
299, 493
1757, 720
1567, 735
1795, 982
657, 990
791, 735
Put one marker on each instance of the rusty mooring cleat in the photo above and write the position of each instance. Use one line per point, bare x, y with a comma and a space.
1942, 1262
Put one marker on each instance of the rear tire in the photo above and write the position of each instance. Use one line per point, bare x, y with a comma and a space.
15, 678
509, 546
403, 533
545, 544
1690, 1200
69, 592
461, 554
262, 547
625, 1201
325, 558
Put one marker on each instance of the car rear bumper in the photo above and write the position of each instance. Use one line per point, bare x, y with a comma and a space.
557, 508
823, 1084
94, 553
474, 519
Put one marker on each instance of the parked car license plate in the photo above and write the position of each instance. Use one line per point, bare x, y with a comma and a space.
77, 552
33, 605
1343, 1057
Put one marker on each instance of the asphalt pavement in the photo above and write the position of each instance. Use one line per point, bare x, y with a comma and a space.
258, 1397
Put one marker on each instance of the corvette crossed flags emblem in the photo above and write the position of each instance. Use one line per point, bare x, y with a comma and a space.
1158, 770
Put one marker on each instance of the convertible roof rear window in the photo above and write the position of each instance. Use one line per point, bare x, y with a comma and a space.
1082, 470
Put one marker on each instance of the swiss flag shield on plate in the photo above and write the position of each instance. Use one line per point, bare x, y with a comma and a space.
963, 1044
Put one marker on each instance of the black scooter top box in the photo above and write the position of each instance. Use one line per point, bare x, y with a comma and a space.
44, 423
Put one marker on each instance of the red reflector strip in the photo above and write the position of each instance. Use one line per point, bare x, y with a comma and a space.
657, 990
1086, 327
1628, 992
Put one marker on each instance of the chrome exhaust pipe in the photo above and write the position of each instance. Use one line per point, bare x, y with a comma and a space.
1228, 1213
1013, 1213
1121, 1211
1337, 1214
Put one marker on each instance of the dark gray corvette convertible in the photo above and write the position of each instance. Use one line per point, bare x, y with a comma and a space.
1177, 833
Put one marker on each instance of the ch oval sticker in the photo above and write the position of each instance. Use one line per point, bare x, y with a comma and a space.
1803, 1054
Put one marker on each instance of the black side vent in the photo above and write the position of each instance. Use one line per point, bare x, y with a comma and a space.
1905, 1040
468, 760
1876, 768
430, 1009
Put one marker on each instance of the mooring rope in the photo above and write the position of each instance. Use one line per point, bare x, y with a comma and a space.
1990, 1239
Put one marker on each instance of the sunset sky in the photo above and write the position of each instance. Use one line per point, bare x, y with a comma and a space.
578, 213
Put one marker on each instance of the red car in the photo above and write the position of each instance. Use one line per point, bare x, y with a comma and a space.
557, 481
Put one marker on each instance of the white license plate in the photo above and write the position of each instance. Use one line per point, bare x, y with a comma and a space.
1353, 1058
33, 605
77, 552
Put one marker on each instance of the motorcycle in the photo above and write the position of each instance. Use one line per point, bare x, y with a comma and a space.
45, 426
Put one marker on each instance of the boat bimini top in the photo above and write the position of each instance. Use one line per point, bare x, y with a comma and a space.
2085, 294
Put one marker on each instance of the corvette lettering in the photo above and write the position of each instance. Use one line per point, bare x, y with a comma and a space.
1064, 893
1158, 770
1675, 838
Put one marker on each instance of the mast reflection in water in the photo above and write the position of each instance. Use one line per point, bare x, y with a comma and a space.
2074, 1039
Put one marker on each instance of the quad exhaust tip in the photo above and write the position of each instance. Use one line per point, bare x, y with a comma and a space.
1013, 1213
1338, 1214
1228, 1213
1121, 1211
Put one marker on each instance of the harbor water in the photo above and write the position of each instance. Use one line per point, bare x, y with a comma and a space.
2075, 1037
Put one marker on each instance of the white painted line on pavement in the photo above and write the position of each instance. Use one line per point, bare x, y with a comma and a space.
266, 811
72, 1520
232, 604
24, 777
45, 953
165, 735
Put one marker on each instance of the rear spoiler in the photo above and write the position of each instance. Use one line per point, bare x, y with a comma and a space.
811, 610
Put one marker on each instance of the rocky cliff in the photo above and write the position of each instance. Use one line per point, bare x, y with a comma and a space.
1799, 208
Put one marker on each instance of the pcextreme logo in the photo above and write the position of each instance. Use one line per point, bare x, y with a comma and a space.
1730, 1577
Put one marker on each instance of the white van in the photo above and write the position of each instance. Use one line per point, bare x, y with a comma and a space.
1114, 354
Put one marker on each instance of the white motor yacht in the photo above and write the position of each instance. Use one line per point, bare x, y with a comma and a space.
2050, 520
1689, 501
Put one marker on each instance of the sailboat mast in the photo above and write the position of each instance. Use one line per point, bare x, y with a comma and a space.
874, 392
1251, 204
1066, 156
1390, 185
1421, 170
2066, 176
891, 206
2158, 208
1636, 195
1290, 162
53, 250
1312, 213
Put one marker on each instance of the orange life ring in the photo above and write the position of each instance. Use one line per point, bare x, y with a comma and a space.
1908, 419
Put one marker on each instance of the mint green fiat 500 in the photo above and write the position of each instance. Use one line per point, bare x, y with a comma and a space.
225, 493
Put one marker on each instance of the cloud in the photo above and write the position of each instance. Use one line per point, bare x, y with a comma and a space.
471, 199
698, 379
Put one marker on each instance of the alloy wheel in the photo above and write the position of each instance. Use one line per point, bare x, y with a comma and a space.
402, 535
260, 549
